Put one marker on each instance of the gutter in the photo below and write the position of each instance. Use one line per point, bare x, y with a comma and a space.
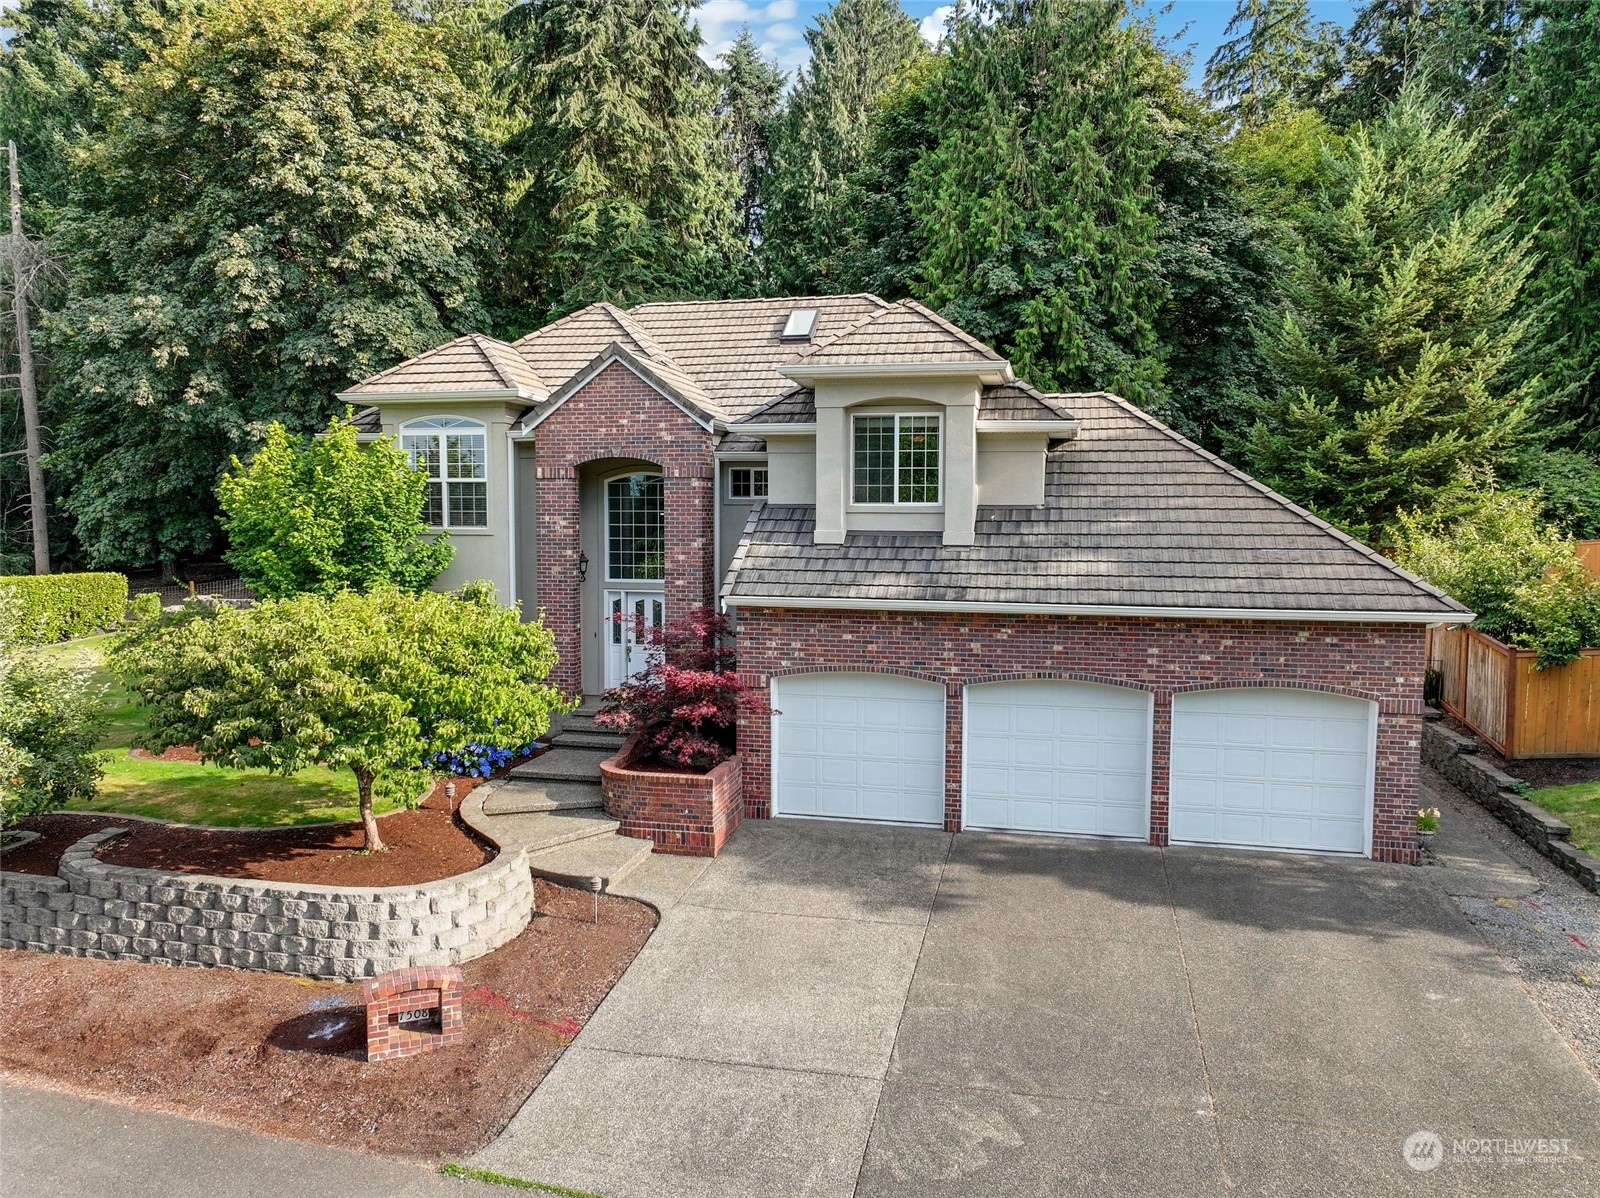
1431, 619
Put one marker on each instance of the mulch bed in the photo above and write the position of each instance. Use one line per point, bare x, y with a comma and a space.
286, 1055
1537, 772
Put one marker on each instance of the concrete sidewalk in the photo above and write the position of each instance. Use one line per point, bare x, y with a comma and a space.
56, 1146
835, 1009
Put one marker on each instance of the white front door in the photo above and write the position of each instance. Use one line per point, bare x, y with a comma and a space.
1268, 768
858, 746
627, 620
1056, 756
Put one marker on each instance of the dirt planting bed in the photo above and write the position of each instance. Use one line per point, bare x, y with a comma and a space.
285, 1055
423, 846
1537, 772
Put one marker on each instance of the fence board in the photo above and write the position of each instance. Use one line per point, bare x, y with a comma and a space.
1589, 551
1522, 712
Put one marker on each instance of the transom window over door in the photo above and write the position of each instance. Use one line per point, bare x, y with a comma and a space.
636, 528
897, 459
453, 453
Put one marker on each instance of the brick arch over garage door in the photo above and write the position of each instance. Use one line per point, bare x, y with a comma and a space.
1381, 662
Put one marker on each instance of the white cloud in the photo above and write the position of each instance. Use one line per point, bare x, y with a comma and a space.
932, 25
772, 24
782, 10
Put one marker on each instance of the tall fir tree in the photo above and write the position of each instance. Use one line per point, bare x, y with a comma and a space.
622, 190
281, 201
1274, 59
1555, 146
751, 90
1398, 344
858, 48
1038, 203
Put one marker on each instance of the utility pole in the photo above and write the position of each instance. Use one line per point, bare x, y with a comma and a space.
30, 393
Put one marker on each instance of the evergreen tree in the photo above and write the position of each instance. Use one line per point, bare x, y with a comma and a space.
1555, 146
623, 191
751, 87
1273, 59
857, 50
1038, 204
280, 203
1399, 338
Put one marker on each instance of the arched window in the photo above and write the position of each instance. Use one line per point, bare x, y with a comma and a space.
454, 454
636, 528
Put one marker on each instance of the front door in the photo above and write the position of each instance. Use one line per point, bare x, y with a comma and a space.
628, 618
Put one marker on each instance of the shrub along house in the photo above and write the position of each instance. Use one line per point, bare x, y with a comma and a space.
975, 605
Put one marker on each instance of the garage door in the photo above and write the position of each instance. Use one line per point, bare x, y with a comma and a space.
1066, 757
1282, 769
858, 746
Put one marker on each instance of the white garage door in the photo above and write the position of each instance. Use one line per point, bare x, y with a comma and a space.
1066, 757
1282, 769
858, 746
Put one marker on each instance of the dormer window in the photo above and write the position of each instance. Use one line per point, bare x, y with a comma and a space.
801, 324
897, 459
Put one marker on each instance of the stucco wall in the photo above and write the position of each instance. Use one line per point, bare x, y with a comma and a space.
114, 912
1383, 663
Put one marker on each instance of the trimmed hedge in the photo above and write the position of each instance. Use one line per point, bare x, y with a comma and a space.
56, 607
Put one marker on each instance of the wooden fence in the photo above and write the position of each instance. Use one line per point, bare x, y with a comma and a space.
1589, 551
1522, 712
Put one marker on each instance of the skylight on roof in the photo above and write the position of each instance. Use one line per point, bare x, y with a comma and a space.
801, 323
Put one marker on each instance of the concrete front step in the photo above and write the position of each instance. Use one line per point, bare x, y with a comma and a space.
579, 738
564, 765
517, 796
581, 721
609, 858
544, 830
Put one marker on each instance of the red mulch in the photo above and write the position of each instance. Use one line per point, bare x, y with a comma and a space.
1537, 772
172, 753
284, 1055
423, 846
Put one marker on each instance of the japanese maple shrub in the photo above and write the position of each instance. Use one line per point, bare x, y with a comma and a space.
377, 683
682, 710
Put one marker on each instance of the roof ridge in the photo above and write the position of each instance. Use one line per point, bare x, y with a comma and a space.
1228, 468
949, 327
415, 358
556, 324
490, 348
763, 299
845, 332
640, 336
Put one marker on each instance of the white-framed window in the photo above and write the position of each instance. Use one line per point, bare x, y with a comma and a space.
897, 458
454, 454
636, 528
747, 482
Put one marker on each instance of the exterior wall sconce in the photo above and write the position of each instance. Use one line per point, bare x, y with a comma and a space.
583, 565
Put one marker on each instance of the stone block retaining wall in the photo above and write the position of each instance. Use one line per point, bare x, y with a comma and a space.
689, 814
1455, 757
118, 913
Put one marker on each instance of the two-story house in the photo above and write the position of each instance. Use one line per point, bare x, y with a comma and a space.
974, 605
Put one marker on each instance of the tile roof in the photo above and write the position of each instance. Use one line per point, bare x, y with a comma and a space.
367, 420
902, 333
1134, 516
663, 372
795, 406
733, 347
470, 363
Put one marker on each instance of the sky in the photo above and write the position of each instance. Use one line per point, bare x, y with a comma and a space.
779, 25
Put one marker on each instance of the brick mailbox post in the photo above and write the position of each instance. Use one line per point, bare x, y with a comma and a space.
413, 1010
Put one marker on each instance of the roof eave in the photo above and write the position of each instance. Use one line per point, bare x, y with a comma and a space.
1062, 430
776, 429
1095, 609
378, 398
990, 374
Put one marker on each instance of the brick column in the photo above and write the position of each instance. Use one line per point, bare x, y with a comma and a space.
1160, 767
560, 593
687, 495
1399, 769
953, 731
755, 746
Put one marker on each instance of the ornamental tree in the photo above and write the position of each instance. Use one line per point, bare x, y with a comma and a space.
683, 708
375, 683
329, 515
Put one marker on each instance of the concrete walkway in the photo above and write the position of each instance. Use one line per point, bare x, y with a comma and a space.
56, 1146
835, 1009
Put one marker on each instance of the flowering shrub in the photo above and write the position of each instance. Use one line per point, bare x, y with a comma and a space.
1428, 819
684, 707
476, 760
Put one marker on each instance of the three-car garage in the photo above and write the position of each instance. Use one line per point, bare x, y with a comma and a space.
1275, 768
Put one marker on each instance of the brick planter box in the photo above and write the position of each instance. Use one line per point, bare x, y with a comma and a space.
115, 912
690, 814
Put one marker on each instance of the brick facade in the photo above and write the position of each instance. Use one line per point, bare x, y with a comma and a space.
689, 814
618, 415
1379, 662
404, 993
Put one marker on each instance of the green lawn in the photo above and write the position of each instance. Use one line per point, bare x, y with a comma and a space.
1579, 805
190, 792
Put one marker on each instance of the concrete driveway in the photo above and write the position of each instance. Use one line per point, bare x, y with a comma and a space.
835, 1009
